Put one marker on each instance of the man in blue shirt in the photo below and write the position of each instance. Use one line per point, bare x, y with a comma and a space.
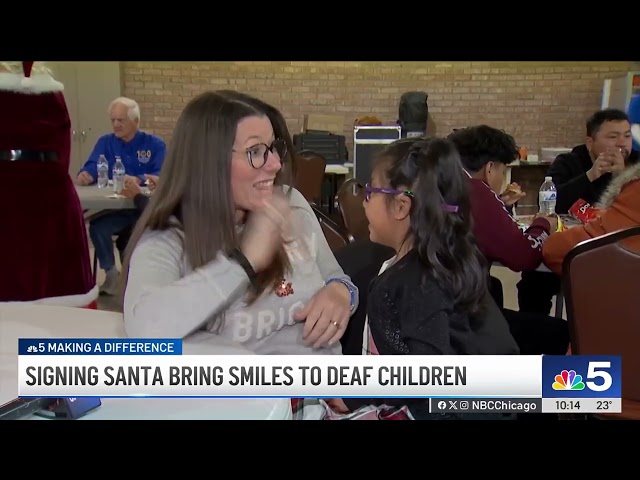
142, 154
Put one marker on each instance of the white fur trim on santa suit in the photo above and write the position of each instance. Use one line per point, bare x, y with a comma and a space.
80, 300
36, 83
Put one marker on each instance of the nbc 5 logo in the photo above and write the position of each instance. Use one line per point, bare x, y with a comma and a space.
598, 378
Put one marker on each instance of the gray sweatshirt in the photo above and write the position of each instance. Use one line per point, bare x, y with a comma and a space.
166, 298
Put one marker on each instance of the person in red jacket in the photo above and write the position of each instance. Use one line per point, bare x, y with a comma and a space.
44, 252
485, 153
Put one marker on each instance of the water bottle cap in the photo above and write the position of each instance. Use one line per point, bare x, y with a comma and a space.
548, 179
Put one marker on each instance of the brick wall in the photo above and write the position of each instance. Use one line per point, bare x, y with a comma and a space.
543, 104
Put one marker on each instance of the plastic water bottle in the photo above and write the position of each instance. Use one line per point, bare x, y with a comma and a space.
547, 197
118, 175
103, 172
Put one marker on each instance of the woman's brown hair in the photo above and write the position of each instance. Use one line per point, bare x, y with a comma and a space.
194, 192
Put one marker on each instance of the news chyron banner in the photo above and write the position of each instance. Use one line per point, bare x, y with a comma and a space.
65, 368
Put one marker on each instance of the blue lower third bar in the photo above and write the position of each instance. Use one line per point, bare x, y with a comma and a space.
99, 346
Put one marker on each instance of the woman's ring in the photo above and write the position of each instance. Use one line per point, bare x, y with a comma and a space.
336, 323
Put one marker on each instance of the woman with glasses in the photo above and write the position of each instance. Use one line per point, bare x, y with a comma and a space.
225, 248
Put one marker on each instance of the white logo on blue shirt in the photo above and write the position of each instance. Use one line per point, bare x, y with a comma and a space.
144, 156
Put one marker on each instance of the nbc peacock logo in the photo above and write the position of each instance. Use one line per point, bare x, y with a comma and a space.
568, 380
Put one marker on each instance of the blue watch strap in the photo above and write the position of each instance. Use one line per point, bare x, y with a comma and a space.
352, 290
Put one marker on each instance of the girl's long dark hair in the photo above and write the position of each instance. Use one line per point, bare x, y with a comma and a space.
444, 241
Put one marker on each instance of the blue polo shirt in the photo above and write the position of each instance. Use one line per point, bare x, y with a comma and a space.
144, 154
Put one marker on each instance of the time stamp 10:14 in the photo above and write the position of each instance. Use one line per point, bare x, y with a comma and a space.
585, 405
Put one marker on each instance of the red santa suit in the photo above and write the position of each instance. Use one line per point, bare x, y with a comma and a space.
44, 253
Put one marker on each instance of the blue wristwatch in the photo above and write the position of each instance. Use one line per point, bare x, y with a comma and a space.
353, 292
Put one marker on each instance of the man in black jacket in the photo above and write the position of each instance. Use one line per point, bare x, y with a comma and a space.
584, 173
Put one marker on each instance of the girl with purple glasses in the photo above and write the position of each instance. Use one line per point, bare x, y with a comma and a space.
431, 297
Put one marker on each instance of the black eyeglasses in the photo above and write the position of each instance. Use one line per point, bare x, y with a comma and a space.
258, 154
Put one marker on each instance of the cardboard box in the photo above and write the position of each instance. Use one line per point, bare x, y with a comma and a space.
328, 123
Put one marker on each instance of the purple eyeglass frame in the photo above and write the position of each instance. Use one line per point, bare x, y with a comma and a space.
368, 190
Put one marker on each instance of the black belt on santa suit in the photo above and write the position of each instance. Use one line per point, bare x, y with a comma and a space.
28, 156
